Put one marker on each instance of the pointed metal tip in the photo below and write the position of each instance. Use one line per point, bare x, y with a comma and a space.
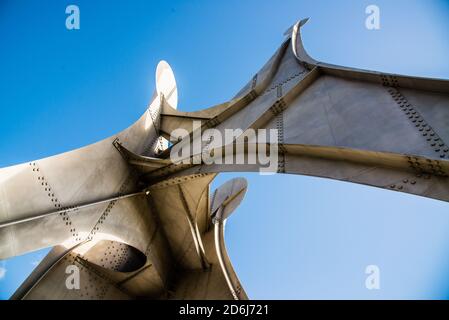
300, 23
303, 21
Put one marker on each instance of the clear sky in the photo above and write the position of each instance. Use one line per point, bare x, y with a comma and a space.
293, 236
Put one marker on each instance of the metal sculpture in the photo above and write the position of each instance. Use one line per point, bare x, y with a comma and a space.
138, 224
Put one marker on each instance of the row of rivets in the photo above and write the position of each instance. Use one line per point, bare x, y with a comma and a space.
284, 82
115, 256
249, 97
409, 180
213, 122
389, 80
280, 130
177, 180
110, 206
426, 166
92, 289
278, 107
57, 205
418, 121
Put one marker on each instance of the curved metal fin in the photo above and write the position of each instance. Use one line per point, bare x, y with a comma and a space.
227, 198
298, 46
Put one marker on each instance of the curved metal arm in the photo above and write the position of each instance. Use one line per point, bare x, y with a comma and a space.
228, 271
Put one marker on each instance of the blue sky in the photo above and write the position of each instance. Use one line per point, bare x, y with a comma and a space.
292, 237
